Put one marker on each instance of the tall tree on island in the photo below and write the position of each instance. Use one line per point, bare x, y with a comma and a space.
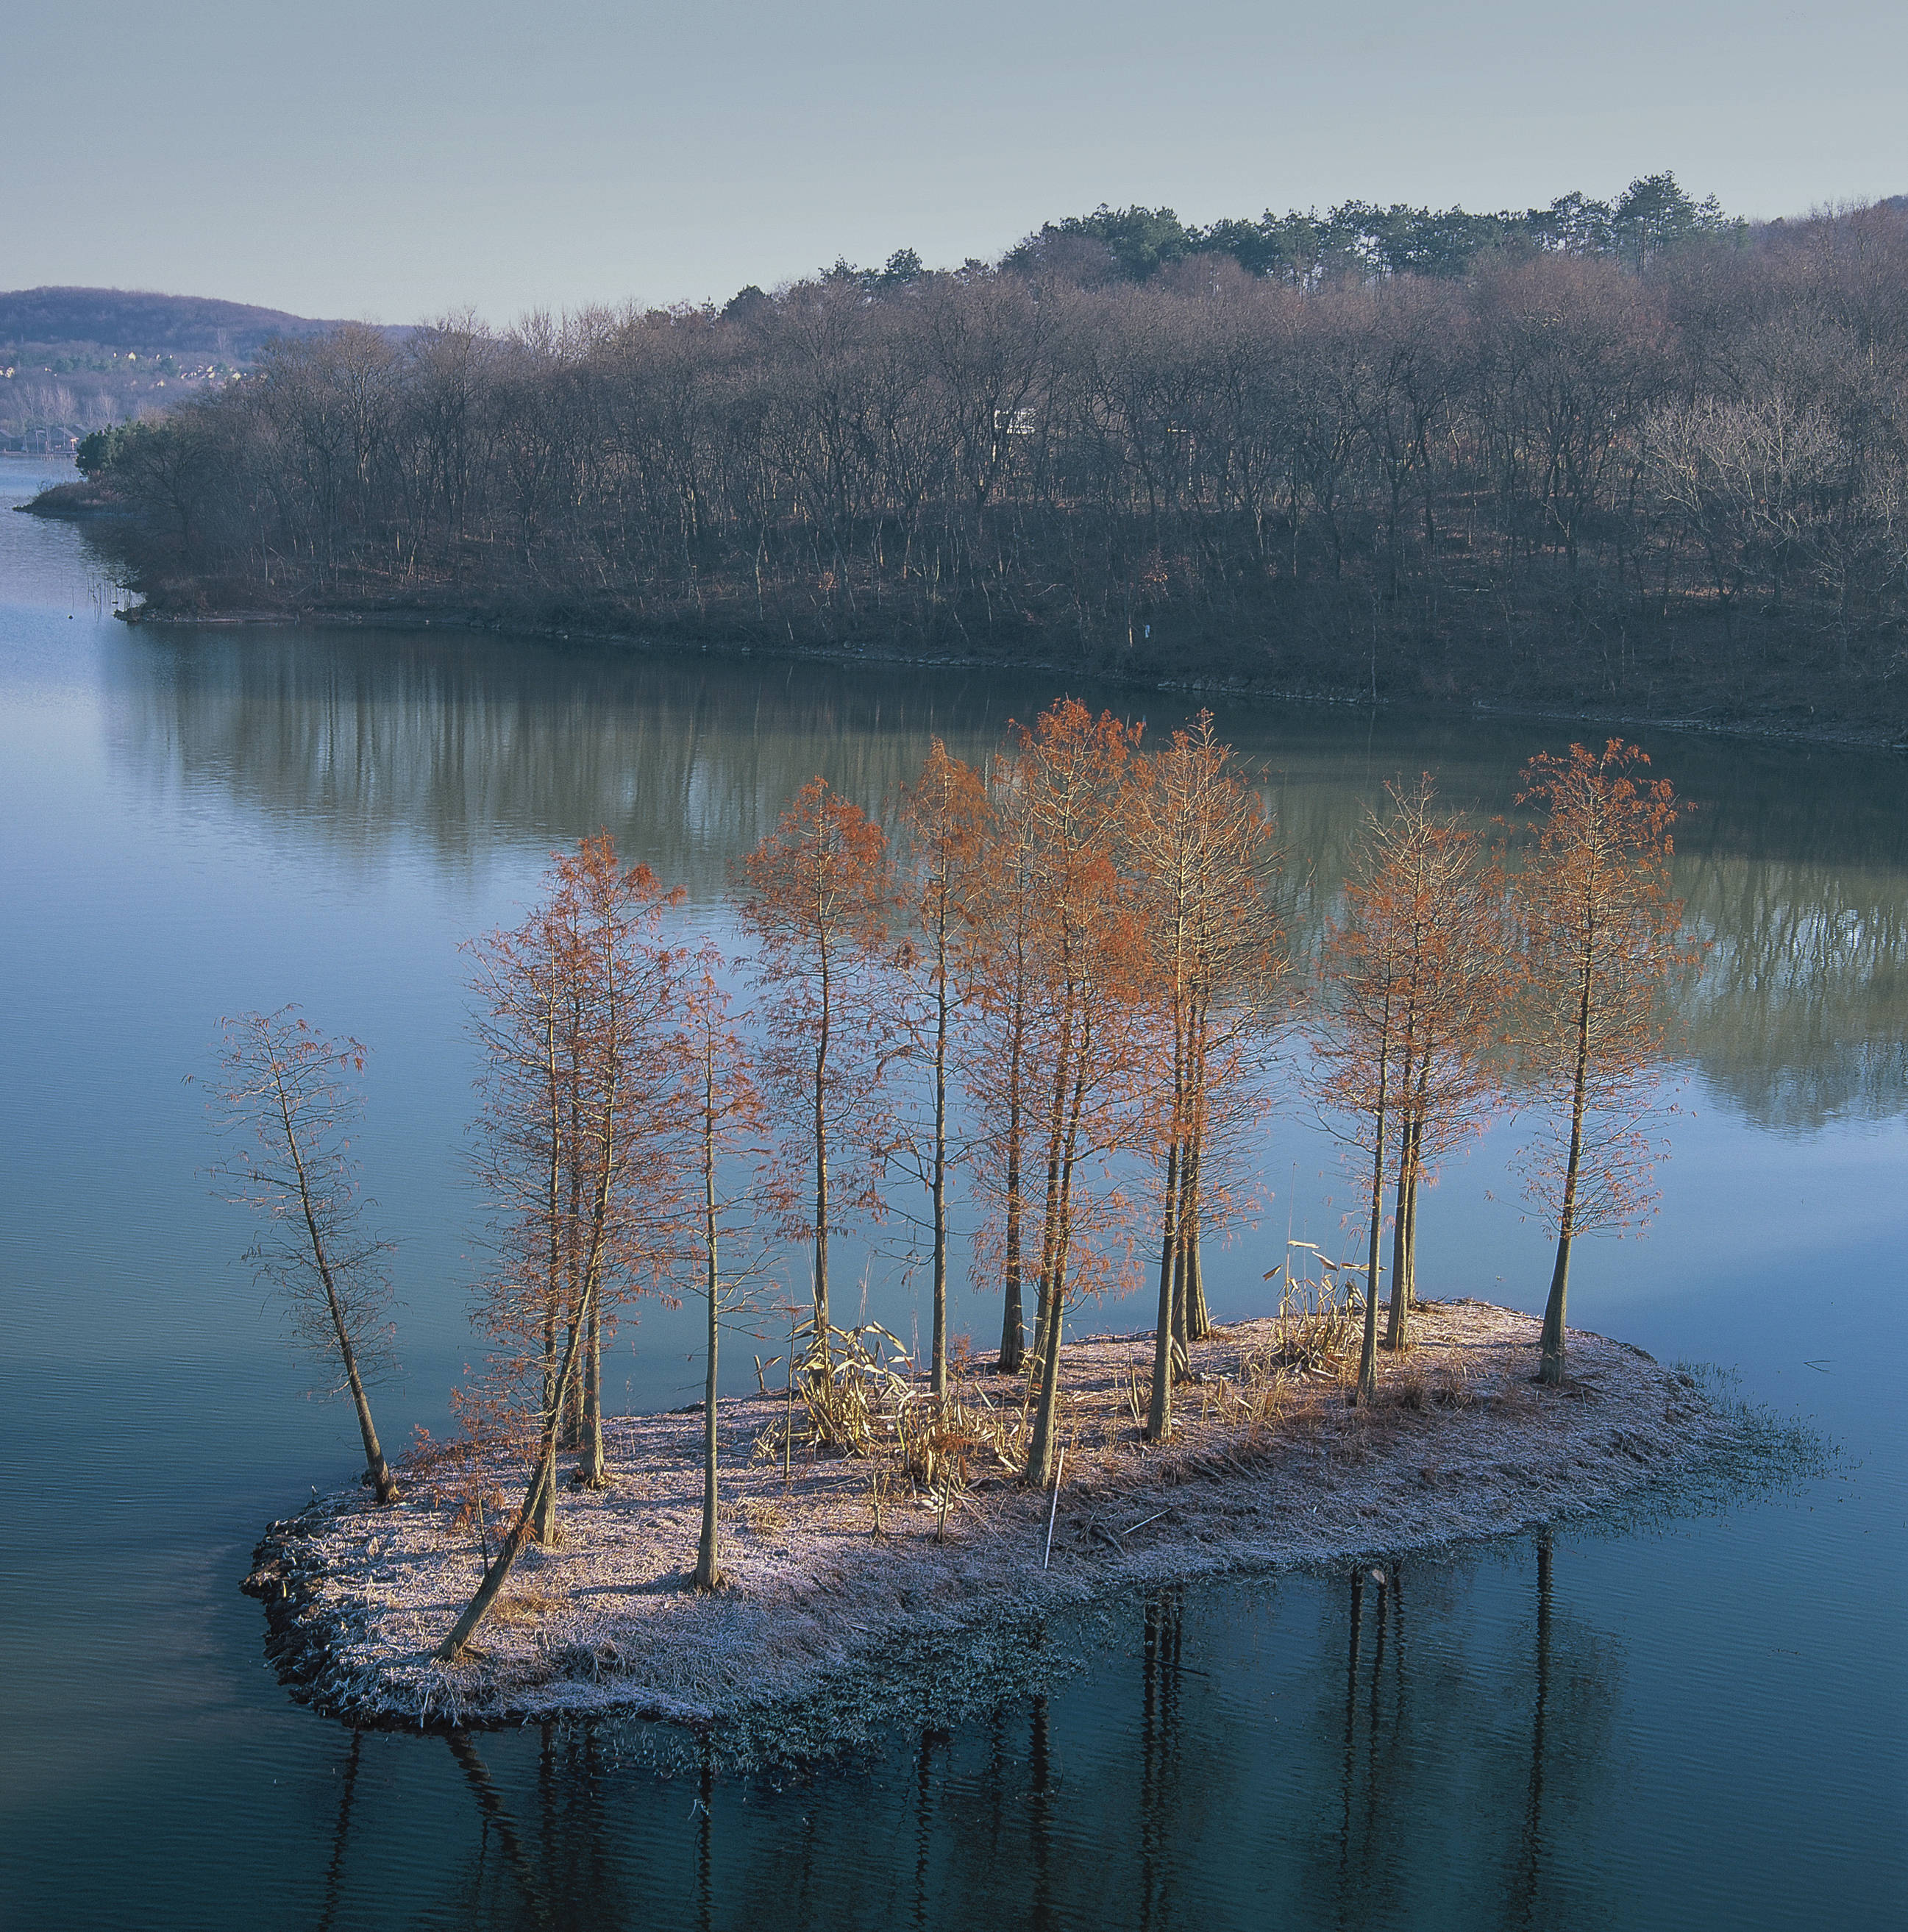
944, 829
576, 1140
289, 1099
1084, 1052
1448, 895
1201, 849
816, 896
725, 1127
1600, 932
528, 1023
998, 1072
1368, 1030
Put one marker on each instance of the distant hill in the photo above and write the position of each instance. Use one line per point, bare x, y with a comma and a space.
134, 318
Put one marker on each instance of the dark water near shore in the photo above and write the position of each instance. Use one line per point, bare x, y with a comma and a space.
1695, 1724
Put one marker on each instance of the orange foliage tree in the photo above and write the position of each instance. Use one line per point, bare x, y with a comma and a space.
1600, 932
1448, 896
1201, 849
581, 1101
1083, 1047
815, 897
1393, 1039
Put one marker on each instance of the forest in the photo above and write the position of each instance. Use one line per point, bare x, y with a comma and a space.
1044, 1017
1630, 459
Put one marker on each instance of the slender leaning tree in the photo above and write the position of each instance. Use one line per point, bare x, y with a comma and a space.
815, 896
287, 1100
1601, 936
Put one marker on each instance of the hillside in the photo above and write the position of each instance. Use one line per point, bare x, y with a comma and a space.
76, 360
124, 318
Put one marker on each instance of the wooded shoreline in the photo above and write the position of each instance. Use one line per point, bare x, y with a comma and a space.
823, 1617
1870, 732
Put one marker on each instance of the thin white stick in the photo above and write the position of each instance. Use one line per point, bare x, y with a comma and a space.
1054, 1510
1144, 1519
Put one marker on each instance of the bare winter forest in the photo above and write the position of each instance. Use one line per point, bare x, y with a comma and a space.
1666, 475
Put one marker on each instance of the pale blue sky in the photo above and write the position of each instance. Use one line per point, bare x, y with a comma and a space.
398, 159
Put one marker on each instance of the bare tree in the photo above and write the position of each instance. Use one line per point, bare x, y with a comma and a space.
288, 1100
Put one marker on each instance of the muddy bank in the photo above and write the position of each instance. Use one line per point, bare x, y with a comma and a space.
1269, 1470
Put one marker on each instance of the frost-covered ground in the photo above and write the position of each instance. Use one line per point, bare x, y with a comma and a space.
819, 1613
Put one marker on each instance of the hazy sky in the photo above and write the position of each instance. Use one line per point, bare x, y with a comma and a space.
398, 159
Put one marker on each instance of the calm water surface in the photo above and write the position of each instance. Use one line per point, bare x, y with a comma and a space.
1701, 1724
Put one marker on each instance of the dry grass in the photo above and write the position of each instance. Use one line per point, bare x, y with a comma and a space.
515, 1609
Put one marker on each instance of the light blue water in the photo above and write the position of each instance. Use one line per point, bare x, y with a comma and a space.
194, 823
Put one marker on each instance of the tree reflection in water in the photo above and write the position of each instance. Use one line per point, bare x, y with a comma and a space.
463, 746
1379, 1753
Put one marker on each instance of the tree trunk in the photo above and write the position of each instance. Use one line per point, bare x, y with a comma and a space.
1040, 1453
821, 1280
708, 1573
1013, 1323
940, 1184
377, 1472
544, 1478
1367, 1384
591, 1473
1159, 1408
1199, 1318
1040, 1457
1181, 1359
1397, 1336
1013, 1331
1550, 1370
1050, 1221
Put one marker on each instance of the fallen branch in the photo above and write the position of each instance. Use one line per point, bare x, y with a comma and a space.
1054, 1509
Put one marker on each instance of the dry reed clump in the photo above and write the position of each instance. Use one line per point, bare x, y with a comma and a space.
842, 1389
859, 1399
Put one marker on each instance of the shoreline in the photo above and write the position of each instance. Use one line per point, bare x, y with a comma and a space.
822, 1624
1881, 737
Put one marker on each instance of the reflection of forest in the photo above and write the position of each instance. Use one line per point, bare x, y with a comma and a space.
1409, 1760
1794, 864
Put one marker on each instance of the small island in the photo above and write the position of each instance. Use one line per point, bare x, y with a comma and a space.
839, 1570
1057, 999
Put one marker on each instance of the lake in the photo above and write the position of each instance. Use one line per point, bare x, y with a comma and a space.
1695, 1720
